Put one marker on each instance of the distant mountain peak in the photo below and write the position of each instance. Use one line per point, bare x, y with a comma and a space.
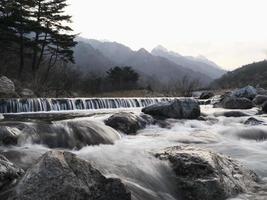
143, 51
160, 48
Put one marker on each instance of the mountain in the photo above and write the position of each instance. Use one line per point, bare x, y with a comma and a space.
150, 66
197, 64
251, 74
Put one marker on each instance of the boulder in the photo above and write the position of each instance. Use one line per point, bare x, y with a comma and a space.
177, 109
261, 91
128, 122
9, 174
204, 175
248, 92
230, 114
237, 103
206, 95
253, 121
7, 87
264, 107
61, 175
259, 99
26, 93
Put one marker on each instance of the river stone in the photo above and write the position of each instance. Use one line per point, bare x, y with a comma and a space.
9, 174
237, 103
260, 99
206, 95
248, 92
61, 175
205, 175
7, 87
128, 122
177, 109
230, 114
253, 121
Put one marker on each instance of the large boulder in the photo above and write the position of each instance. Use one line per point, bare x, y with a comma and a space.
7, 87
177, 109
26, 93
237, 103
204, 175
9, 174
206, 95
260, 99
61, 175
248, 92
128, 122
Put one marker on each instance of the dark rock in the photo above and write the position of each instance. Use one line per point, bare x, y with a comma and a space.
204, 175
61, 175
7, 88
230, 114
178, 109
237, 103
9, 174
253, 121
261, 91
264, 107
248, 92
9, 135
128, 122
206, 95
260, 99
27, 93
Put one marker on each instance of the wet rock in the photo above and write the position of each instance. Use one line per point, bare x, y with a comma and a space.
256, 134
7, 87
177, 109
237, 103
253, 121
260, 99
70, 134
128, 122
204, 175
27, 93
230, 114
264, 107
248, 92
61, 175
206, 95
9, 174
261, 91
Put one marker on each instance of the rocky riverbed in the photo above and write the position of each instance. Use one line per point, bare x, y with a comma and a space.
174, 150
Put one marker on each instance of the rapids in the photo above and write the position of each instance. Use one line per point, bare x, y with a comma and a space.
148, 178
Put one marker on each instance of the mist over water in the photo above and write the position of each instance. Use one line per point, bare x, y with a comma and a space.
131, 158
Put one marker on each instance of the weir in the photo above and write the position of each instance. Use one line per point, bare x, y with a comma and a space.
65, 104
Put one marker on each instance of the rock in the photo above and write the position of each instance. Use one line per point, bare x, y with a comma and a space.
230, 114
9, 135
204, 175
9, 174
253, 121
177, 109
261, 91
128, 122
264, 107
237, 103
61, 175
26, 93
248, 92
260, 99
7, 87
206, 95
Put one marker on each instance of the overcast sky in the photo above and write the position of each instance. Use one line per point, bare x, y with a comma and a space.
229, 32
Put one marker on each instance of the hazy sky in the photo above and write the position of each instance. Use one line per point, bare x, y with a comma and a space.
229, 32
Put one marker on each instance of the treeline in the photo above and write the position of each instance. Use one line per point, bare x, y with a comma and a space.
34, 38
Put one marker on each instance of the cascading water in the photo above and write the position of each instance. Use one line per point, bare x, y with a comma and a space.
49, 104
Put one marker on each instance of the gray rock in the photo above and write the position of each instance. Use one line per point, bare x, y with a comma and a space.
264, 107
178, 109
260, 99
7, 87
248, 92
237, 103
204, 175
9, 174
206, 95
253, 121
27, 93
261, 91
61, 175
128, 122
230, 114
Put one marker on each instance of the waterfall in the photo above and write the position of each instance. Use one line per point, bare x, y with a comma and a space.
64, 104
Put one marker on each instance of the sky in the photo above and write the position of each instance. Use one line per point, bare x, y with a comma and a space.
229, 32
